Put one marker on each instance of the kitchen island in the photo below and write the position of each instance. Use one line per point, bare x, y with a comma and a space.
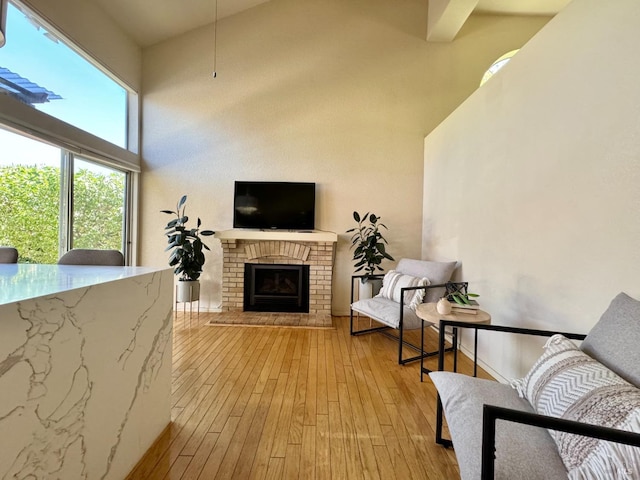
85, 368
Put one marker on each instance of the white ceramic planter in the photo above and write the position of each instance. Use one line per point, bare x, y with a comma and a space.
188, 291
369, 289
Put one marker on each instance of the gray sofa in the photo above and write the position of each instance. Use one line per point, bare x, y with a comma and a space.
522, 450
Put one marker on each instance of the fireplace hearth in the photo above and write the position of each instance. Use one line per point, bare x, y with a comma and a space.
276, 288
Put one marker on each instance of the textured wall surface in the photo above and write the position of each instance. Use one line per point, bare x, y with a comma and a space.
532, 183
341, 93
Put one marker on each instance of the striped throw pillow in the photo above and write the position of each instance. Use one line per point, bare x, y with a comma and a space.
567, 383
394, 282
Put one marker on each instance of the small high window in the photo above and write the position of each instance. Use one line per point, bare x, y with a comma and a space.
497, 65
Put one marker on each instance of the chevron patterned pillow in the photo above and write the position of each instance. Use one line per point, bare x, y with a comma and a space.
565, 382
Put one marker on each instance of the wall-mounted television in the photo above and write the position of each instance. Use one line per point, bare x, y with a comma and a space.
274, 205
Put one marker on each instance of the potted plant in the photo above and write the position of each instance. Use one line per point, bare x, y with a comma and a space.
369, 249
187, 254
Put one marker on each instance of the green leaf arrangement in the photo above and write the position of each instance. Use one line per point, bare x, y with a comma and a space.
368, 243
185, 244
463, 299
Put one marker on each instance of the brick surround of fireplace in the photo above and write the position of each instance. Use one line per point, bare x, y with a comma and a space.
316, 249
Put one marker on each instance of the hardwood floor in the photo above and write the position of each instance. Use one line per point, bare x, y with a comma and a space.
289, 403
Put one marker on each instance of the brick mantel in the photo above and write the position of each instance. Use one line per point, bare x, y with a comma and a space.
313, 248
277, 248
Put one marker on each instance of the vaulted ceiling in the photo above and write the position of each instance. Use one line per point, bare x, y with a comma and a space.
152, 21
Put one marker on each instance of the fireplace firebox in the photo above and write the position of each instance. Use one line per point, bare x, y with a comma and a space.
276, 288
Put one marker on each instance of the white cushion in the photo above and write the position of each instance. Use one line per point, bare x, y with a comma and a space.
393, 283
567, 383
523, 452
387, 311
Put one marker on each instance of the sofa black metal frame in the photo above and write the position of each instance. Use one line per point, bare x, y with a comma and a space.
492, 413
448, 288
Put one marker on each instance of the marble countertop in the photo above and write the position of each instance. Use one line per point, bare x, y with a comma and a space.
23, 281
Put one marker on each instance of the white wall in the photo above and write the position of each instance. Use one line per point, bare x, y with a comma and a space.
532, 183
340, 93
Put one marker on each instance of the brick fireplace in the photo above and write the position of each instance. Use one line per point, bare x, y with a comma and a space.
315, 249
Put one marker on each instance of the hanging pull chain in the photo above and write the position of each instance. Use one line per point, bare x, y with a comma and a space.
215, 40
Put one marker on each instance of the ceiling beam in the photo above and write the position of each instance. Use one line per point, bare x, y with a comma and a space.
446, 18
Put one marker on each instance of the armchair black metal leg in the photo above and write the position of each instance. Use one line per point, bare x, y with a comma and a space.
439, 410
455, 349
404, 361
355, 332
351, 311
401, 333
475, 354
422, 369
441, 347
350, 321
352, 330
402, 342
424, 355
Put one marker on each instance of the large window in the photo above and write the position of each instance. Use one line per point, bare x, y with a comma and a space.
37, 218
40, 69
67, 145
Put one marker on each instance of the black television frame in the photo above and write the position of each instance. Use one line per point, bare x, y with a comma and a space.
279, 201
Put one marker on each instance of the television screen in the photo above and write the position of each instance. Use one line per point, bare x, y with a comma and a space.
274, 205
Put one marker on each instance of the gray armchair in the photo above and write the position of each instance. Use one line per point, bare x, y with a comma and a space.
397, 313
81, 256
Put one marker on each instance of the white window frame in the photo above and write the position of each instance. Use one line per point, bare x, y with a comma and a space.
33, 123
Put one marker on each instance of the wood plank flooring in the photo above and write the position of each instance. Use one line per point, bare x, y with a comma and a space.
289, 403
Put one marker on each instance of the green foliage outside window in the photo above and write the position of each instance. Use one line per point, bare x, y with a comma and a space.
98, 210
30, 211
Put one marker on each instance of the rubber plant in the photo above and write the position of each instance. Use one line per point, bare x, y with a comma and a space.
185, 244
368, 244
